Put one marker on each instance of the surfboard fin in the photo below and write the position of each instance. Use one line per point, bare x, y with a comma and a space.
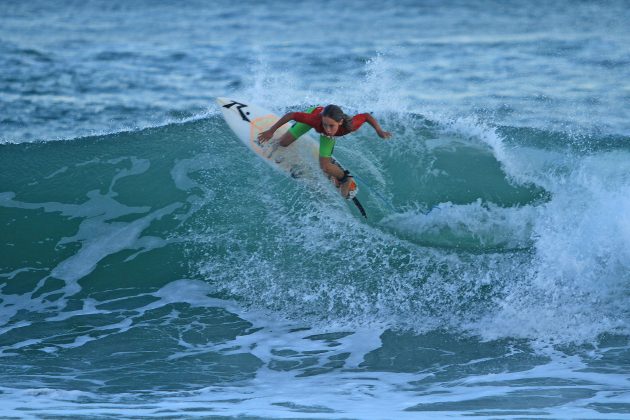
359, 206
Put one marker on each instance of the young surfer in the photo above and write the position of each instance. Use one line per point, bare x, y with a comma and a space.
330, 122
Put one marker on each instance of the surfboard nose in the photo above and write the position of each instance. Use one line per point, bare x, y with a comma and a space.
222, 101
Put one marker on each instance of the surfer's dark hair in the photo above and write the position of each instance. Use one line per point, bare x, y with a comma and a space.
335, 112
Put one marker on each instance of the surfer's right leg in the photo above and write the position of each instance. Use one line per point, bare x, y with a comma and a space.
286, 139
295, 132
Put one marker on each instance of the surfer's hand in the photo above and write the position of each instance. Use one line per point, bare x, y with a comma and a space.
384, 134
265, 136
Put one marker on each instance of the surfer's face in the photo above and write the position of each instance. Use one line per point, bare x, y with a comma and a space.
330, 125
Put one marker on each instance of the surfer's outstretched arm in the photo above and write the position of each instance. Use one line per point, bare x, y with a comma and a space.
381, 133
266, 135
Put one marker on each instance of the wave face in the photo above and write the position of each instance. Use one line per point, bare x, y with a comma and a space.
150, 265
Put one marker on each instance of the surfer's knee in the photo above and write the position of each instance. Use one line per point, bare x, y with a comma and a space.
324, 163
286, 139
330, 168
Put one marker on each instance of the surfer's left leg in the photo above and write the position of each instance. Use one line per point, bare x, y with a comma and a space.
326, 147
330, 168
343, 180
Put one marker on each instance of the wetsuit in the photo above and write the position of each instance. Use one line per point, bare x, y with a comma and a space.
312, 119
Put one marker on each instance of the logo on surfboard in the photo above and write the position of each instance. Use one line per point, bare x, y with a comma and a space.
240, 107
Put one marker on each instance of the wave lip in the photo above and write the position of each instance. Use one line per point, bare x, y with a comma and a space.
474, 226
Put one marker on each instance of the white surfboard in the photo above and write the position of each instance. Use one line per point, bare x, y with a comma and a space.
299, 160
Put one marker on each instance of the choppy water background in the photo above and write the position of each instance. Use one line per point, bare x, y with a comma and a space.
151, 266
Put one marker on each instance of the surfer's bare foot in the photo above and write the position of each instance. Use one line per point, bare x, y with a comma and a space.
272, 147
347, 188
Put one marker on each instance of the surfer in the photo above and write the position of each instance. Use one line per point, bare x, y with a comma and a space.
330, 122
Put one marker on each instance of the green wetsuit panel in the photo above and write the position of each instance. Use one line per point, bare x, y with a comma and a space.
299, 129
326, 144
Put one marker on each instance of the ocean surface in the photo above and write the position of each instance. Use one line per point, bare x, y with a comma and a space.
152, 266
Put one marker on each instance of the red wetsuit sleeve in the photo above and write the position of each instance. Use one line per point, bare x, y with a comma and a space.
313, 120
358, 120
